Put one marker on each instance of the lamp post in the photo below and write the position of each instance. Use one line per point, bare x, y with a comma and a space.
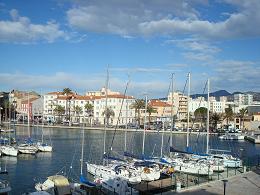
1, 115
225, 183
14, 106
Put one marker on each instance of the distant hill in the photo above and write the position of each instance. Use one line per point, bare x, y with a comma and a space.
216, 94
230, 96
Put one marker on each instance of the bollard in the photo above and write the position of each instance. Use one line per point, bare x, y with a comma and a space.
198, 178
218, 170
208, 173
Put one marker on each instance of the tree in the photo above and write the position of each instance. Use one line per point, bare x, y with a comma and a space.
78, 111
242, 113
138, 105
201, 115
59, 110
89, 109
67, 92
228, 114
108, 112
150, 110
215, 118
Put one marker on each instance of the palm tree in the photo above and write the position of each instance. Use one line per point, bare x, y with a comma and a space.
59, 110
228, 114
138, 105
201, 115
78, 111
67, 91
150, 110
215, 118
89, 109
108, 113
242, 113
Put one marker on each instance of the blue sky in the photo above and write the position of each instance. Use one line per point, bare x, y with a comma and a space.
53, 44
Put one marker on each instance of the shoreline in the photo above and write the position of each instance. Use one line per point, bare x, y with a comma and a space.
113, 129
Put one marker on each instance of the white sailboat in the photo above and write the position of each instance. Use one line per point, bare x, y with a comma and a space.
28, 147
44, 146
8, 149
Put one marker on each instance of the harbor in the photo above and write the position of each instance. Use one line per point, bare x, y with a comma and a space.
26, 170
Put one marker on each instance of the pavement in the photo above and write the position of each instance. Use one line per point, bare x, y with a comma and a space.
243, 184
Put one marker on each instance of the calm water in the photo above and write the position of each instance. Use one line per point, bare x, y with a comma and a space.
26, 170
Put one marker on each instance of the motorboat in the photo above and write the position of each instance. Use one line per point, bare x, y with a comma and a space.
232, 136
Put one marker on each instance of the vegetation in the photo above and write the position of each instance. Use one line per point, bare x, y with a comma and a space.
108, 112
150, 110
229, 115
215, 119
138, 105
77, 110
242, 113
67, 92
89, 109
201, 115
59, 111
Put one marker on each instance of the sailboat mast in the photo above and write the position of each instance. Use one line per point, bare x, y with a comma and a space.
207, 150
82, 148
28, 114
126, 121
188, 113
105, 121
144, 122
171, 112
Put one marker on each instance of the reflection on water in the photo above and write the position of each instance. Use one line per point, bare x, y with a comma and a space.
25, 169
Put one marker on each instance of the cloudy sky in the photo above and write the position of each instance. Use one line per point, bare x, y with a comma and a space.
52, 44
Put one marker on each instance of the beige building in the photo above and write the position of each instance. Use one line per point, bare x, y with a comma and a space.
180, 104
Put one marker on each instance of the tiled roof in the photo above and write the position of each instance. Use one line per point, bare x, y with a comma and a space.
158, 103
55, 93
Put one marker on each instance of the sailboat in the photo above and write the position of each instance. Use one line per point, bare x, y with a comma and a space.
8, 149
28, 147
115, 175
43, 146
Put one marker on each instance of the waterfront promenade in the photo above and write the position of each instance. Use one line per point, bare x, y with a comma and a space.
246, 183
112, 129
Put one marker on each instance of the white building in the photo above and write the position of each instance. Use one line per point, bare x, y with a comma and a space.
243, 99
115, 102
96, 98
194, 104
217, 106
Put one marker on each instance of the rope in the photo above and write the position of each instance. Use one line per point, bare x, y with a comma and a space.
120, 112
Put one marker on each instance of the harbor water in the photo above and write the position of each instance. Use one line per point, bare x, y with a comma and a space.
26, 170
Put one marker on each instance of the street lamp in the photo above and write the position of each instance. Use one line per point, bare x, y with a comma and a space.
1, 115
225, 183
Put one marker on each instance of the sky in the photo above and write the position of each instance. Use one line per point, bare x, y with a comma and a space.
53, 44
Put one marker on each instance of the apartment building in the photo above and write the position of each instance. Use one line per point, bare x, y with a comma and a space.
243, 99
120, 104
180, 104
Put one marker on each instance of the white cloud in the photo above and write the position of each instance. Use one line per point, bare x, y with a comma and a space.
79, 83
237, 75
143, 18
21, 30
